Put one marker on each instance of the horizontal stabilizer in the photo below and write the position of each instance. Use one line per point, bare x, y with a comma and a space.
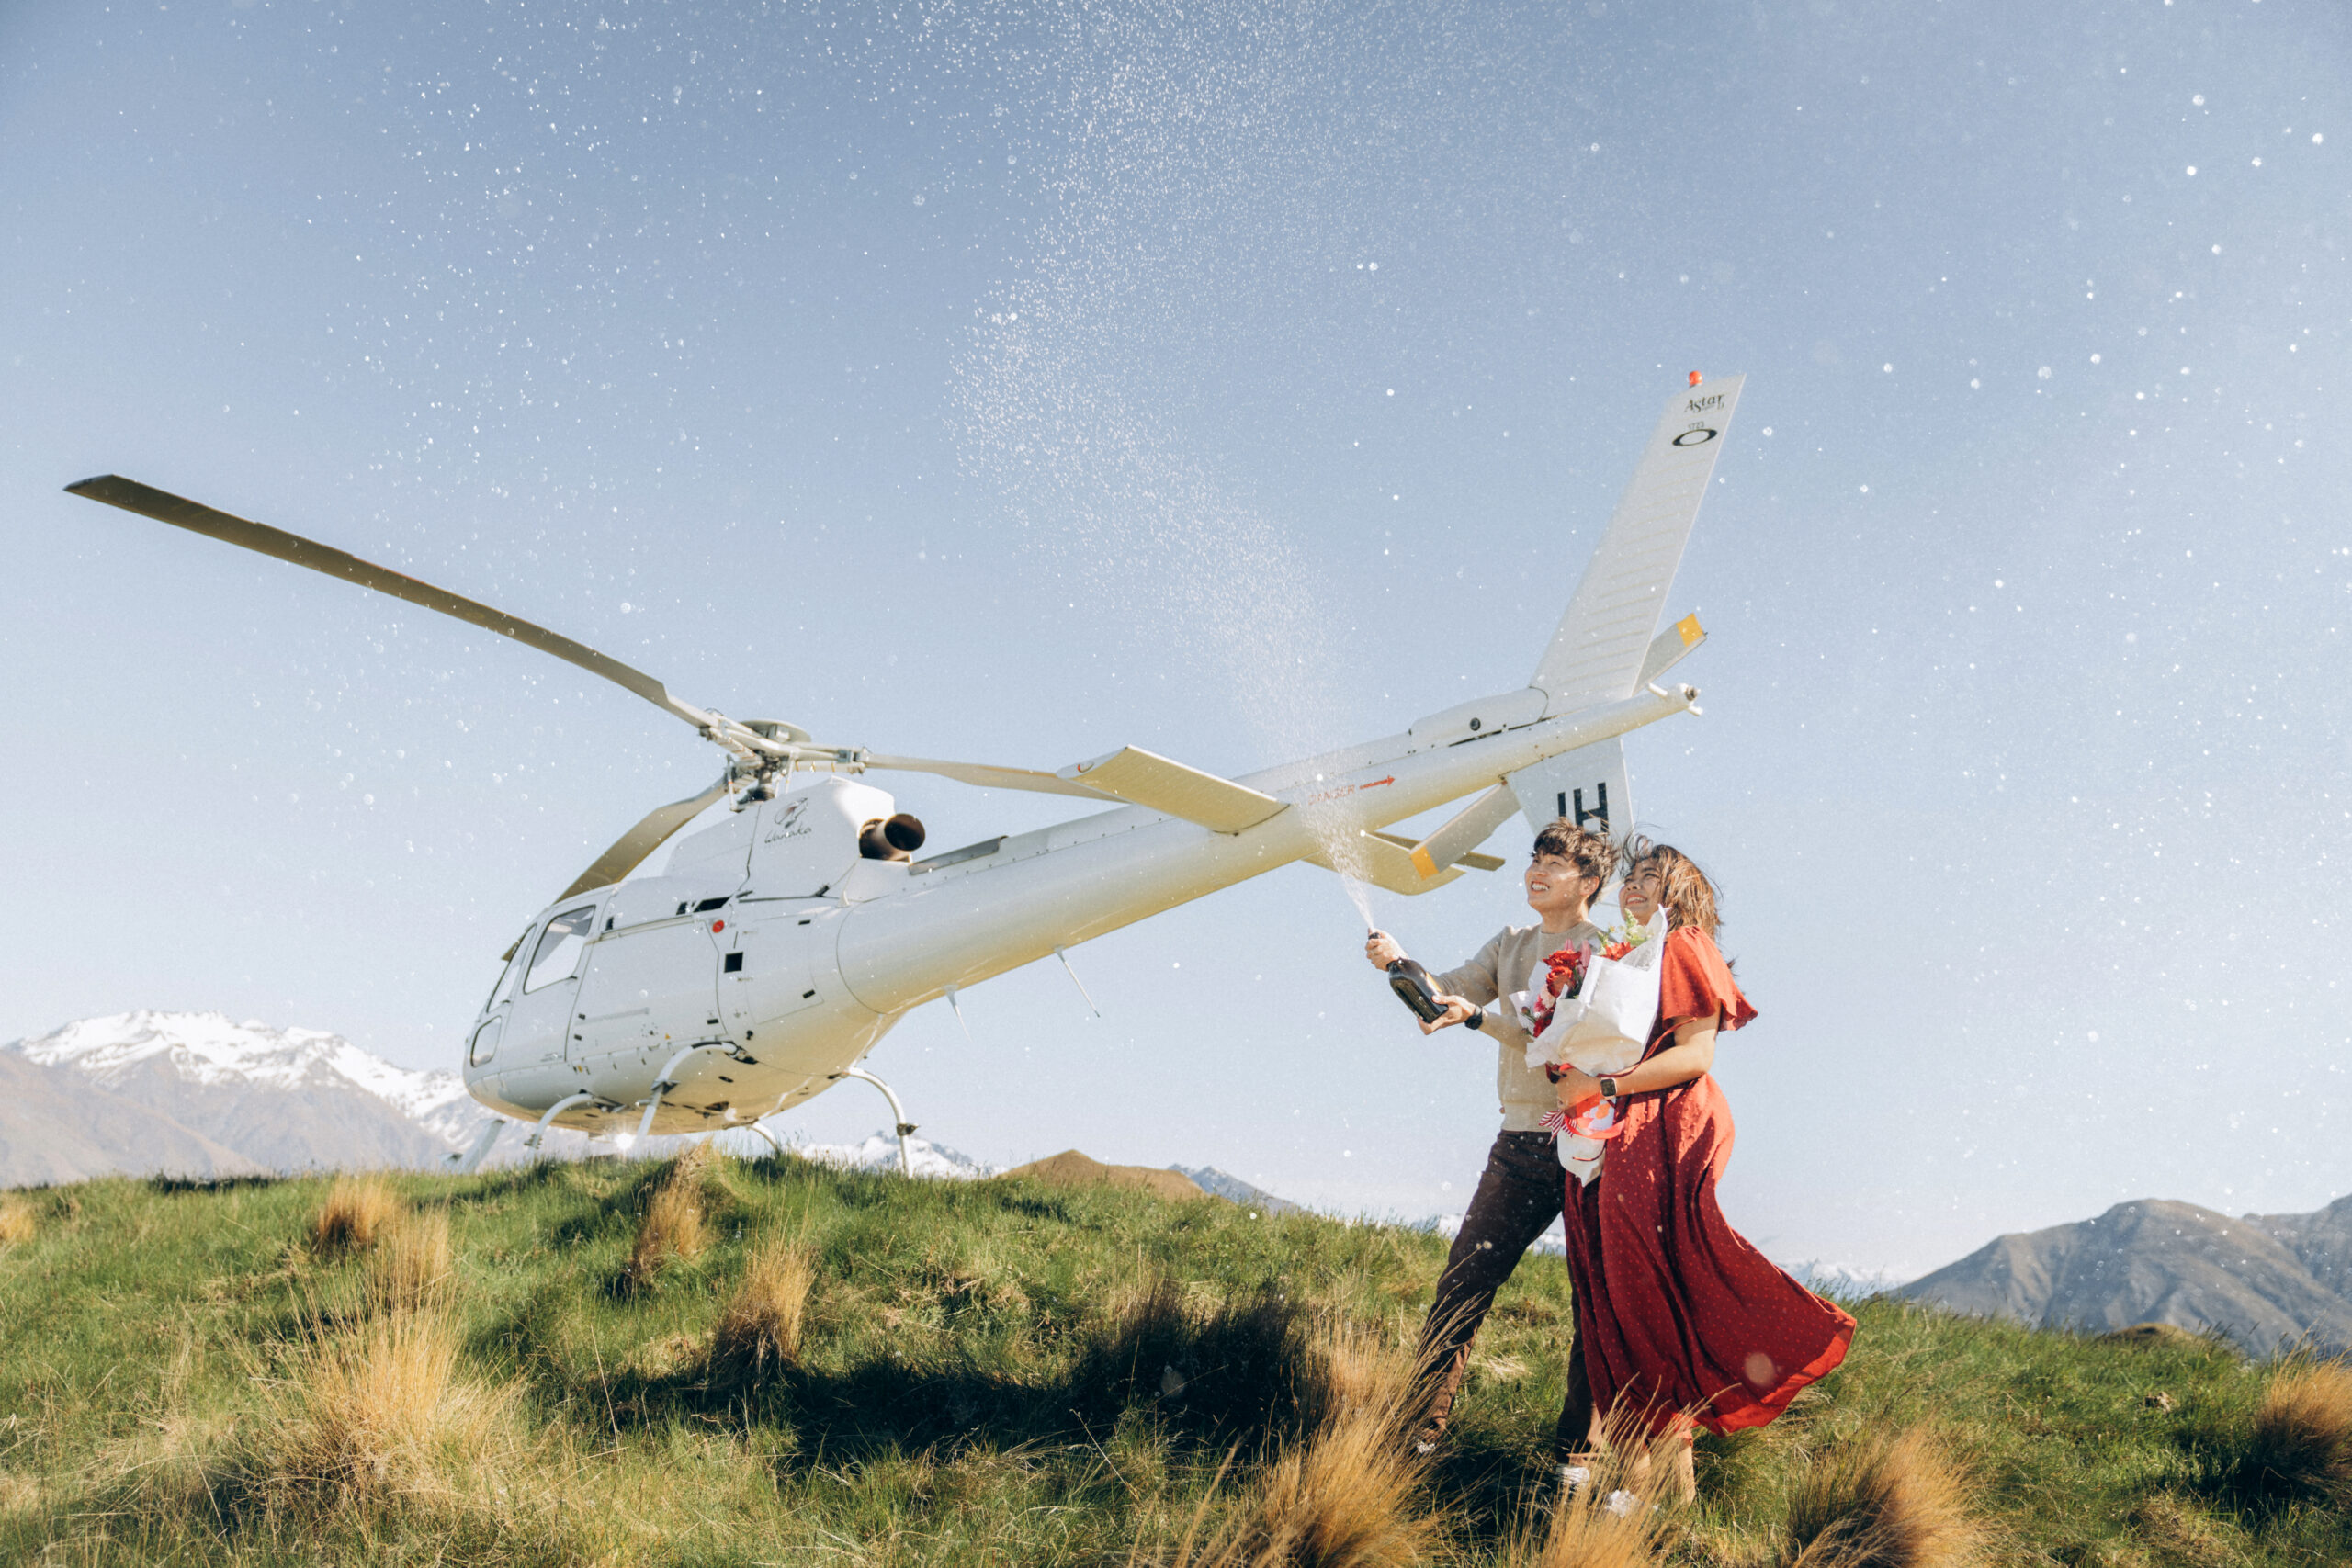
1145, 778
1386, 860
1470, 858
1669, 648
1469, 827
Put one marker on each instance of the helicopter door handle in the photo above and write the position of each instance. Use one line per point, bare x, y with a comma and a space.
606, 1017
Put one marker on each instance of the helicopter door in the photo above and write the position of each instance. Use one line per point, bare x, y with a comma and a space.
652, 989
541, 1015
768, 973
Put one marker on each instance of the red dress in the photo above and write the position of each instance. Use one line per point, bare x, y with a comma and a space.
1677, 1311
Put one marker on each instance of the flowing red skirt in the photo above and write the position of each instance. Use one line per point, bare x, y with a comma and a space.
1677, 1311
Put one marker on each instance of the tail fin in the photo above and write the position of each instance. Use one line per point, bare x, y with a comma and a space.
1596, 654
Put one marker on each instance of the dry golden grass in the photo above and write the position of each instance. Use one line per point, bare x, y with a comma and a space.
15, 1220
377, 1414
1886, 1502
672, 1227
357, 1210
1620, 1517
413, 1266
2302, 1433
1346, 1496
759, 1329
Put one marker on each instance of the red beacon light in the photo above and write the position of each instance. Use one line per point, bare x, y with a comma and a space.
1696, 377
718, 926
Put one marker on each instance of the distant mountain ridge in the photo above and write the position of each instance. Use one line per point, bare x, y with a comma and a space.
1224, 1184
195, 1094
2265, 1280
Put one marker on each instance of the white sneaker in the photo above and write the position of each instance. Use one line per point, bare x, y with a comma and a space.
1573, 1478
1621, 1503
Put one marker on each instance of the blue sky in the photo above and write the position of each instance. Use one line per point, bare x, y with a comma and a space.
1017, 382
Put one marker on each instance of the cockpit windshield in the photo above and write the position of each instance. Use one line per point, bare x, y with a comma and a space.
557, 955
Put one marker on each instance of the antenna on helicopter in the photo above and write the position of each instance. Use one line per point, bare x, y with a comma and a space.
1063, 954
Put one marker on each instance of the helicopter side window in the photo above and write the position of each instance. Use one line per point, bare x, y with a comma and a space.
557, 954
504, 982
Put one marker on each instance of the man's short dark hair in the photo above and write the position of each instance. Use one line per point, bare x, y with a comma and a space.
1591, 853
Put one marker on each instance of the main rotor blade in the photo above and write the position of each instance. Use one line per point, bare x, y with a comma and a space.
641, 841
197, 518
988, 777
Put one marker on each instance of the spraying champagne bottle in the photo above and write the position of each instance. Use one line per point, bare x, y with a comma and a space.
1414, 988
1411, 984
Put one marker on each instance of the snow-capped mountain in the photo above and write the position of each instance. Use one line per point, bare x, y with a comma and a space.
879, 1151
193, 1094
1850, 1280
206, 1048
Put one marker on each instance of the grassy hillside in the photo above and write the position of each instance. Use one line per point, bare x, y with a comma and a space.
775, 1363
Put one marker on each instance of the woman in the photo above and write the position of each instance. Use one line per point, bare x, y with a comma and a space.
1683, 1322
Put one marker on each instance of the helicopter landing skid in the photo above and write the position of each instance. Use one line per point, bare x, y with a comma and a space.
540, 1130
761, 1128
664, 1083
898, 1113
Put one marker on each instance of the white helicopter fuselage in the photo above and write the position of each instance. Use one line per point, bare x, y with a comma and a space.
772, 956
776, 949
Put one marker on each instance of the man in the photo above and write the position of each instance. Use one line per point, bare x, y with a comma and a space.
1520, 1193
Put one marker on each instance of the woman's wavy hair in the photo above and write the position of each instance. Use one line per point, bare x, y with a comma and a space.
1688, 896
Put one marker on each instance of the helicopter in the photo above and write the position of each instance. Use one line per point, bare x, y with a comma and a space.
780, 944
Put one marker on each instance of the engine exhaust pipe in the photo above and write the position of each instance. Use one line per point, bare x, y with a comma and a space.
891, 838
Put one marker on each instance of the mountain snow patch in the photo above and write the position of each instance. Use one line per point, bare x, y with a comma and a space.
206, 1048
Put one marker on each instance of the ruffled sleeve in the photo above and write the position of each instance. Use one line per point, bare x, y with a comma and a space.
1695, 982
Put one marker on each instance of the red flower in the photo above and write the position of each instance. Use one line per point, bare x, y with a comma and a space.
1564, 978
1616, 949
1567, 967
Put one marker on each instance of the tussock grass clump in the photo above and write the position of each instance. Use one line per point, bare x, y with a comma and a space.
2302, 1443
357, 1210
1883, 1501
672, 1227
413, 1267
1347, 1496
377, 1415
1621, 1518
759, 1329
17, 1221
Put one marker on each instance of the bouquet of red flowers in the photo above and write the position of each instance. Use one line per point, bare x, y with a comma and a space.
1564, 978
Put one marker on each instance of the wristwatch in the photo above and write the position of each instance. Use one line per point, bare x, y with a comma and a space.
1609, 1088
1478, 1019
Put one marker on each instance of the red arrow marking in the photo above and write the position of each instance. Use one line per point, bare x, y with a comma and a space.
1377, 783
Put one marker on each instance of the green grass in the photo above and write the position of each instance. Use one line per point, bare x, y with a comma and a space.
980, 1380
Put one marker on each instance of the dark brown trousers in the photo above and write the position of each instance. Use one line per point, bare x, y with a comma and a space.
1519, 1196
